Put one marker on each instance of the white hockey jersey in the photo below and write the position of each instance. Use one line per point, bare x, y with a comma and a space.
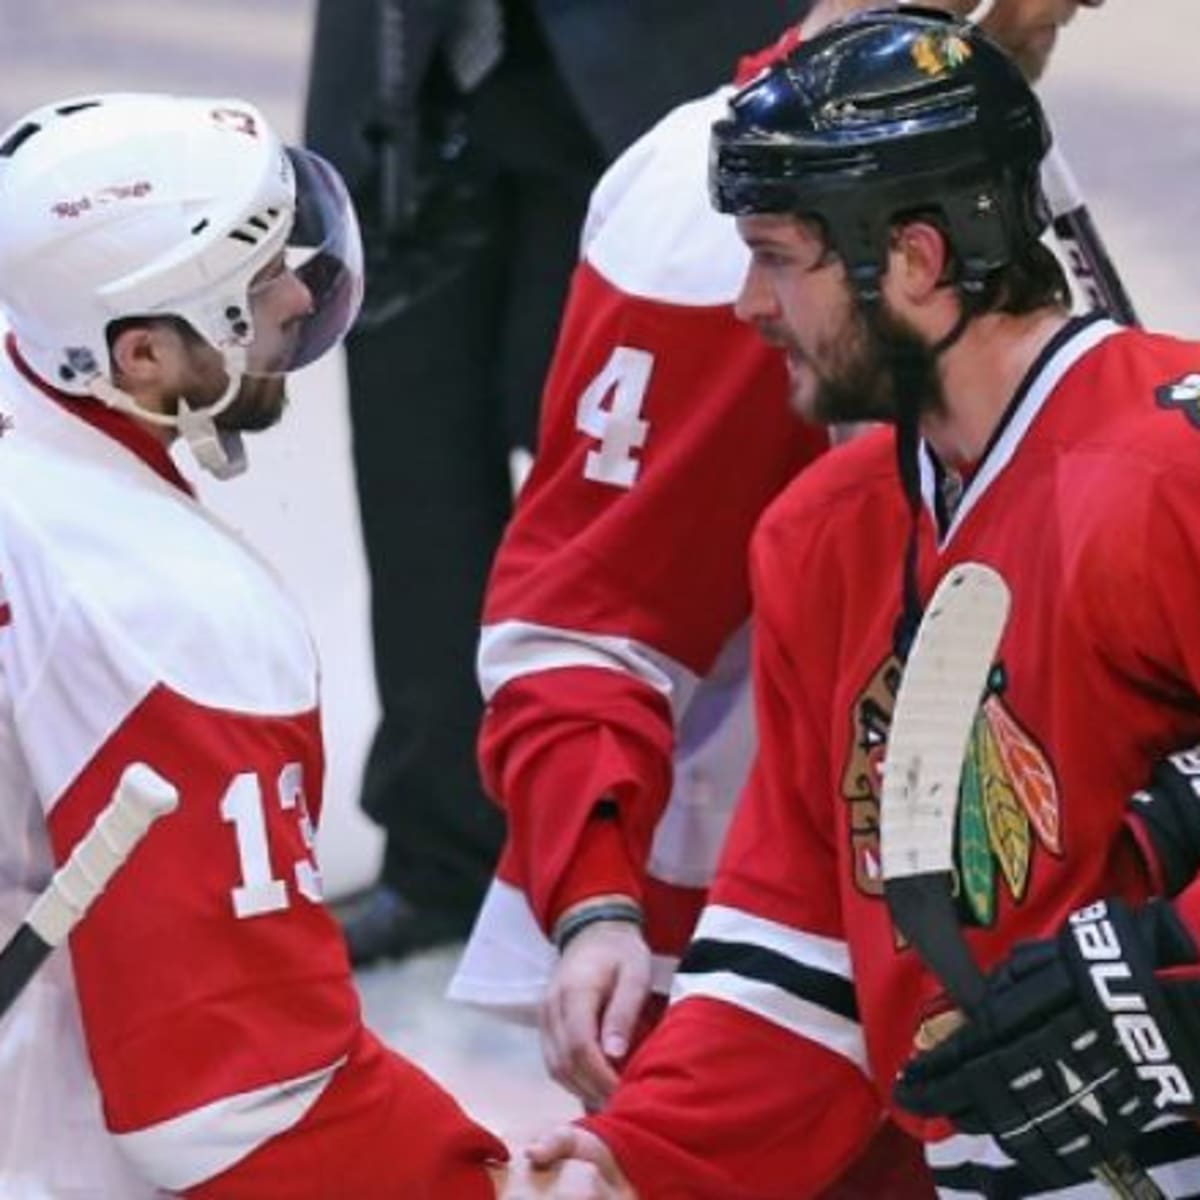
203, 1037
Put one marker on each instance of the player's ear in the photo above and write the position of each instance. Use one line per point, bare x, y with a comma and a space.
142, 352
919, 259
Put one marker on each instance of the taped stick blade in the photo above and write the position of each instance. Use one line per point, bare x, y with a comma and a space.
939, 697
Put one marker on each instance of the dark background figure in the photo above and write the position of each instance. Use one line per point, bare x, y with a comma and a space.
472, 178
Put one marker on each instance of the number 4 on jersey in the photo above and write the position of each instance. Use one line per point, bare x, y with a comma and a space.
617, 426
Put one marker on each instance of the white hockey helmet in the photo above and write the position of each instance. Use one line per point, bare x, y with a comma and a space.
139, 205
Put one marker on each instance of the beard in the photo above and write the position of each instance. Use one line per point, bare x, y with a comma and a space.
260, 403
875, 363
260, 400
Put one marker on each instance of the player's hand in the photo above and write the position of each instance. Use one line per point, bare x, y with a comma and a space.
590, 1009
570, 1161
1079, 1043
936, 1029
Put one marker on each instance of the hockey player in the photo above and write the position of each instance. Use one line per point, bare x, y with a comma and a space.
164, 263
618, 726
886, 184
618, 730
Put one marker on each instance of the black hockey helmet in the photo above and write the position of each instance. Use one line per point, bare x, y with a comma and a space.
886, 113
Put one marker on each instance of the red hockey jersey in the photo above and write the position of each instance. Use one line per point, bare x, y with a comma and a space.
610, 655
795, 1005
204, 1036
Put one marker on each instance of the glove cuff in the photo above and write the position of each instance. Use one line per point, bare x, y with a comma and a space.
1165, 820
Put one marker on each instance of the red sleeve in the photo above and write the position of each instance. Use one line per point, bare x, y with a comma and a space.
221, 1021
601, 866
665, 432
549, 757
756, 1086
349, 1142
718, 1106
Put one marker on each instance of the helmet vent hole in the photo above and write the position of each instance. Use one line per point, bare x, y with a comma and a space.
915, 101
200, 226
254, 227
67, 110
17, 139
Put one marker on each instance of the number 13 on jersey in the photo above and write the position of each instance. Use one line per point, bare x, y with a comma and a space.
243, 807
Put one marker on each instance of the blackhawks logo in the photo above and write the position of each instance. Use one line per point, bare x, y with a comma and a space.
1008, 801
937, 53
1183, 394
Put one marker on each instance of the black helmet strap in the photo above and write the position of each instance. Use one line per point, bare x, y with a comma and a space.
906, 379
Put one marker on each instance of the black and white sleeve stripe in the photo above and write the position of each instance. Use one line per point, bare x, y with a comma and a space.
799, 981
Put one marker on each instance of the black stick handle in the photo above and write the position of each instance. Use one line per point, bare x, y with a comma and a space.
140, 798
1087, 256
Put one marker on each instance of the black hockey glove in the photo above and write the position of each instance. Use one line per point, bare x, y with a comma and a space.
1079, 1043
1165, 820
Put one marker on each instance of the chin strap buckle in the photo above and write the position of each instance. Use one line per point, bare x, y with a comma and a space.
221, 452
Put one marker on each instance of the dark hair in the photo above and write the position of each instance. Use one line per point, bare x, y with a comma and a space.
1033, 278
124, 324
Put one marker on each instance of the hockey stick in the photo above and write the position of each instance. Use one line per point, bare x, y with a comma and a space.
936, 705
1087, 258
140, 798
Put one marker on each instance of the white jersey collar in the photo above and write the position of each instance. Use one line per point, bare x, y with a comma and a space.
1076, 339
118, 426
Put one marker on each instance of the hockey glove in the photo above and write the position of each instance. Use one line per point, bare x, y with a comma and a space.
1079, 1042
1164, 819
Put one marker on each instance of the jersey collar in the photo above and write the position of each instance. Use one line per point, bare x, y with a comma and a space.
1077, 338
118, 426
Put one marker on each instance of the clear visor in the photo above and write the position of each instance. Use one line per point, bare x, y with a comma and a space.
304, 303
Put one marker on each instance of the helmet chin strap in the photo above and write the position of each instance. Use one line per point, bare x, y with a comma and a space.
908, 443
221, 452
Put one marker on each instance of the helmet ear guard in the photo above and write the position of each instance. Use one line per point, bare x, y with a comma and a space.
884, 115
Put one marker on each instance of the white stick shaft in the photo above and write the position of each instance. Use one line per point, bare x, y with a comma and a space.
140, 798
1060, 184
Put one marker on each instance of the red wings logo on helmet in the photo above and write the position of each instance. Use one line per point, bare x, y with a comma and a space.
106, 195
236, 119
